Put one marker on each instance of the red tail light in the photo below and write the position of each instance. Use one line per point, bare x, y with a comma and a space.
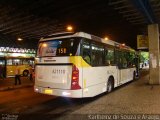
75, 78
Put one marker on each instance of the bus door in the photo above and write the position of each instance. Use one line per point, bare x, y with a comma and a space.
121, 62
125, 65
2, 67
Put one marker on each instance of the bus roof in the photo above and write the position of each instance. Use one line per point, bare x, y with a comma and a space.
85, 35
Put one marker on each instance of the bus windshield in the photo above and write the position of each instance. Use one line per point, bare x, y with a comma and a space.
58, 47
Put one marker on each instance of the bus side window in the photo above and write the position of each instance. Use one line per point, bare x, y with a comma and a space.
87, 57
9, 62
109, 57
97, 55
86, 53
131, 60
118, 58
122, 60
107, 61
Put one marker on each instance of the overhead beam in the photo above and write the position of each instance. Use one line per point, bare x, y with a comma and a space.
42, 34
19, 29
36, 29
117, 2
16, 22
122, 7
30, 26
46, 30
134, 18
132, 14
127, 11
138, 20
144, 7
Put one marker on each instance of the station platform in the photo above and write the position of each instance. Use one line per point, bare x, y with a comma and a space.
9, 83
134, 98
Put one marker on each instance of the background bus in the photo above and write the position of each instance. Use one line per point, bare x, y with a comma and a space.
82, 65
8, 60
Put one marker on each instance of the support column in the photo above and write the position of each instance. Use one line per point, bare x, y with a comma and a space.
154, 70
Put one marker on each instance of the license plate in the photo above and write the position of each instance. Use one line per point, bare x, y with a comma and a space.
48, 91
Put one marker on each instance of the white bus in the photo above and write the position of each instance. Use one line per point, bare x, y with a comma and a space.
79, 65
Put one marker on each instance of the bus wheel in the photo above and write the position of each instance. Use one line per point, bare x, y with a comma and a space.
25, 73
110, 85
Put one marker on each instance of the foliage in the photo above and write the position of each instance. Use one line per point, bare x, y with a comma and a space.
144, 56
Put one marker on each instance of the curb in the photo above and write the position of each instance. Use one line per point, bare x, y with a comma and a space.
15, 87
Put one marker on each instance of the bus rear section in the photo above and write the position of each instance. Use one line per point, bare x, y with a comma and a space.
63, 80
57, 72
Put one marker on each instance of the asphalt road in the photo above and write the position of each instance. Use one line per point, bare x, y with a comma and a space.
27, 104
24, 103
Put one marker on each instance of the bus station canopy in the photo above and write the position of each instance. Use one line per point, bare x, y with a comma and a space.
33, 19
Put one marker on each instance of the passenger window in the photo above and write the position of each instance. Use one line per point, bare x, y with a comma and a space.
97, 55
109, 57
86, 53
130, 59
122, 59
119, 59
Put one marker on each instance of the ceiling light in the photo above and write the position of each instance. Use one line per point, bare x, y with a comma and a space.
106, 38
19, 39
69, 28
123, 44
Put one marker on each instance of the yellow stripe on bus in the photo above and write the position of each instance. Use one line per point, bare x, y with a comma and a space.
84, 83
78, 61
